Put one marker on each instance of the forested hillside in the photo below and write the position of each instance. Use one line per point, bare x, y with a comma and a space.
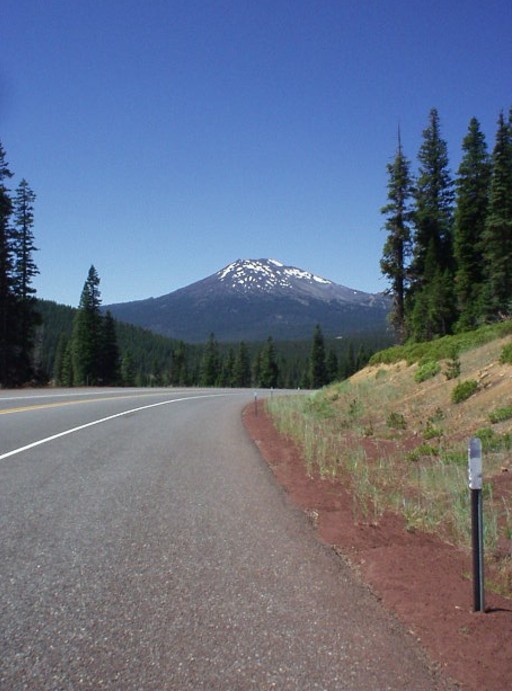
148, 359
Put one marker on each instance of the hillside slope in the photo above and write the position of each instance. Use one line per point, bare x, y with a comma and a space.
403, 439
379, 464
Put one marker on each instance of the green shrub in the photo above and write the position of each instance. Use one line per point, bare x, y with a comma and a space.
506, 355
464, 390
427, 370
501, 414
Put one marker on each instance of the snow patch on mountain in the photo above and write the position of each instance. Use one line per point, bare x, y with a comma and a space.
266, 275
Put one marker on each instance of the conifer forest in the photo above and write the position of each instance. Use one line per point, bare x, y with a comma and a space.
448, 251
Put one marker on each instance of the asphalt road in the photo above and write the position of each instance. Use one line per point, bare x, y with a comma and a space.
150, 548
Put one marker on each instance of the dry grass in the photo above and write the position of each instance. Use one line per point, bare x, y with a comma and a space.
402, 445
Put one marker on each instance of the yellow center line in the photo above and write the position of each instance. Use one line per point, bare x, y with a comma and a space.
42, 406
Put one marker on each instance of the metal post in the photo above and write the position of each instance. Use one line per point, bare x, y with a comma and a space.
255, 403
477, 528
478, 550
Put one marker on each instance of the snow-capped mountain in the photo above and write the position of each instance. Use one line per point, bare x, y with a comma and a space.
265, 274
252, 299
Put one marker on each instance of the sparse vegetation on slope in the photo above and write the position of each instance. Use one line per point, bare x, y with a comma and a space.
401, 443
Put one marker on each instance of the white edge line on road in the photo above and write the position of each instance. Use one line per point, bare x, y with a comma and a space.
119, 391
100, 421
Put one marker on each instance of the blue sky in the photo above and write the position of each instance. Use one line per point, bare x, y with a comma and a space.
165, 139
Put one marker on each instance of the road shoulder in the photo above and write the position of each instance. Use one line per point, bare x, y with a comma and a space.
423, 581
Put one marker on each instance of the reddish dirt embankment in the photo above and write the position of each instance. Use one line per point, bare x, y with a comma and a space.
425, 582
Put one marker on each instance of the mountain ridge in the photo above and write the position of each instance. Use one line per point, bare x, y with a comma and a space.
251, 299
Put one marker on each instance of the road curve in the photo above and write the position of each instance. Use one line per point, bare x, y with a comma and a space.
153, 550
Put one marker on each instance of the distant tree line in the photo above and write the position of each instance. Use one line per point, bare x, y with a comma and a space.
448, 252
18, 316
83, 346
273, 364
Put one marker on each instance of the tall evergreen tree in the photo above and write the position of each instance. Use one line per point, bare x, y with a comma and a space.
25, 268
498, 231
432, 265
87, 335
7, 299
397, 248
24, 271
472, 195
317, 362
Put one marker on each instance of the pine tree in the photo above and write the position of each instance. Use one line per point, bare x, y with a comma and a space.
332, 366
25, 268
86, 338
128, 373
317, 362
397, 248
350, 365
256, 368
497, 292
433, 307
228, 369
58, 362
66, 371
210, 364
269, 369
24, 272
179, 374
7, 299
242, 369
472, 197
110, 359
433, 239
362, 357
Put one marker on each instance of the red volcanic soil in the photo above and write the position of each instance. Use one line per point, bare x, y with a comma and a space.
425, 582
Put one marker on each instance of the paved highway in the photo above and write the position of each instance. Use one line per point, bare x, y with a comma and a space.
145, 545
